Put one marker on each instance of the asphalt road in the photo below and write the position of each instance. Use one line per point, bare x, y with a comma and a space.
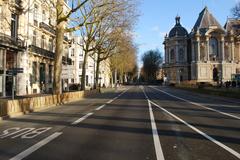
138, 123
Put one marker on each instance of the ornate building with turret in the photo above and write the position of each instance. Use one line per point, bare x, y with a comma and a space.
209, 53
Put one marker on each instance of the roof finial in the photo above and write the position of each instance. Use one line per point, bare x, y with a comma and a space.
177, 20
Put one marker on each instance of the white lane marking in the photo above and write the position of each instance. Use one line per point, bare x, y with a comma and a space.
110, 101
100, 107
197, 104
35, 147
200, 132
144, 93
82, 118
157, 143
156, 140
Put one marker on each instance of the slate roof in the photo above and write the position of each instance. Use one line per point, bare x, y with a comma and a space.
205, 21
178, 30
234, 25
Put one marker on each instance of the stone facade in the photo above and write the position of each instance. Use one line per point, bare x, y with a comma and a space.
209, 53
77, 56
28, 41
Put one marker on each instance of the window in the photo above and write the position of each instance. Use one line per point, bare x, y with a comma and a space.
213, 46
172, 55
35, 15
50, 44
34, 72
72, 53
43, 42
14, 25
181, 55
34, 40
50, 72
80, 65
44, 17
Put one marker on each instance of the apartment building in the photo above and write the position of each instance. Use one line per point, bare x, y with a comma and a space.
77, 56
27, 41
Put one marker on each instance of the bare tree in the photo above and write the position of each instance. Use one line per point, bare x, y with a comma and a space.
236, 10
119, 19
62, 17
125, 61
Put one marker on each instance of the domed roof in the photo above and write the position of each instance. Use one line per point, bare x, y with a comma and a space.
178, 30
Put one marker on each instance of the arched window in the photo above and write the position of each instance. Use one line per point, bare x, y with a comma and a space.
213, 46
181, 55
172, 55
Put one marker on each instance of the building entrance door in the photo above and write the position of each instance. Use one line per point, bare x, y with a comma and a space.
42, 77
9, 85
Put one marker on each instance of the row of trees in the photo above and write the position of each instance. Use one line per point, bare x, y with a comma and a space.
152, 60
104, 26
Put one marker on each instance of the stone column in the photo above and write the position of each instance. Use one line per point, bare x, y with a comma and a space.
232, 49
166, 52
4, 52
198, 49
46, 77
185, 53
207, 48
176, 53
222, 49
193, 51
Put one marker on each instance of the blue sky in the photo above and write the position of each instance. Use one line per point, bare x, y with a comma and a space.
157, 17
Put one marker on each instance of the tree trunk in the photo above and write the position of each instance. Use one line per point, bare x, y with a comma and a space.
57, 88
83, 80
97, 73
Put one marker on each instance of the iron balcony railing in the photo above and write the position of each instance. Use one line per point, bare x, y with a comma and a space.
8, 40
47, 27
41, 51
48, 54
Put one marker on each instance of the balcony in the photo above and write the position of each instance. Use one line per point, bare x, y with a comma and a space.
47, 28
41, 51
48, 54
9, 41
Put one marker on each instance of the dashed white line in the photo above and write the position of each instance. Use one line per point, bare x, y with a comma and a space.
110, 101
100, 107
82, 118
200, 132
36, 146
197, 104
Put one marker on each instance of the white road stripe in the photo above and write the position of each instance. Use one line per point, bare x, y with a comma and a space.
157, 144
110, 101
200, 132
156, 140
35, 147
82, 118
97, 109
197, 104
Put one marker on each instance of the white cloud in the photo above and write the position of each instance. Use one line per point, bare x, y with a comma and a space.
157, 30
